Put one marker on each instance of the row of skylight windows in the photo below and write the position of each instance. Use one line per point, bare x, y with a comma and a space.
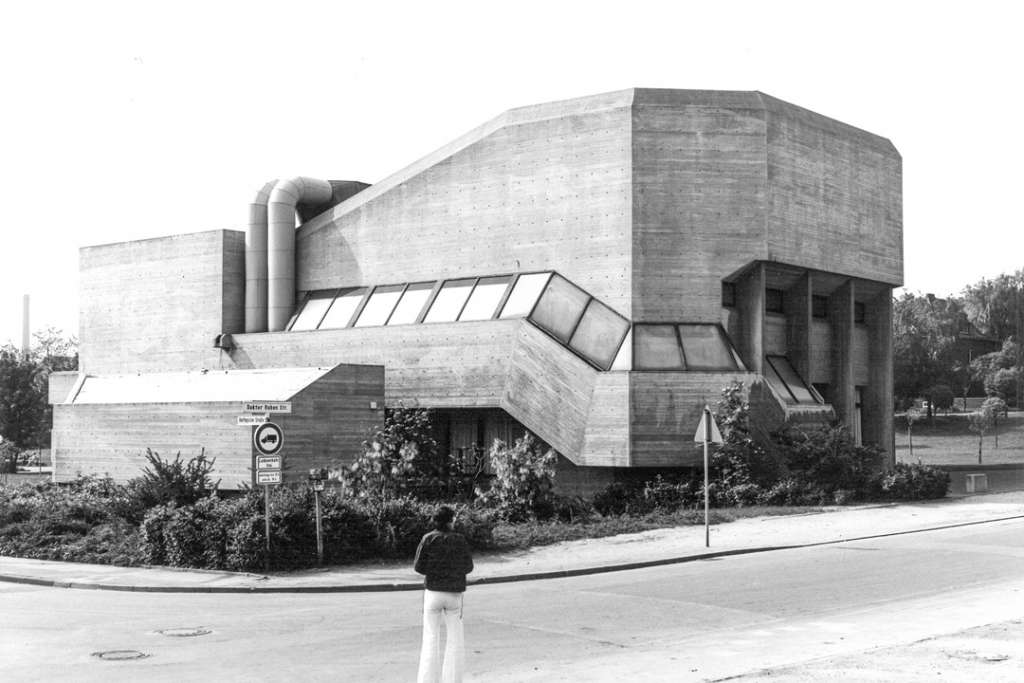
463, 299
554, 304
698, 347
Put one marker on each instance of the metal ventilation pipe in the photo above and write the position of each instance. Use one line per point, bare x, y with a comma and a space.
281, 243
256, 262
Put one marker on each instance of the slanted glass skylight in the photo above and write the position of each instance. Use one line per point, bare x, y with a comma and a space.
524, 295
787, 382
449, 301
599, 333
413, 299
485, 298
705, 348
313, 310
340, 314
379, 306
656, 348
560, 308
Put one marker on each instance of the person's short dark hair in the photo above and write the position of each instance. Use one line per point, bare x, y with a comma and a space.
443, 517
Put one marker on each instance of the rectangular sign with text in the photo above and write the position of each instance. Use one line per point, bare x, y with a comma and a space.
269, 407
268, 477
268, 462
250, 420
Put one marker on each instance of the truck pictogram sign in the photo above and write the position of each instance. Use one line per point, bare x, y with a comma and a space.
268, 439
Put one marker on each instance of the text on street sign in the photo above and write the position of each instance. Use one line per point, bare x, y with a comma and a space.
268, 477
269, 407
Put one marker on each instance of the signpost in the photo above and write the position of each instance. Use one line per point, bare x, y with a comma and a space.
268, 438
707, 432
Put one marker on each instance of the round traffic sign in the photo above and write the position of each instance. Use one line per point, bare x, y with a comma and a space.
268, 438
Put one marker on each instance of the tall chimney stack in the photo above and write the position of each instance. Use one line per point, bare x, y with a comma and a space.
25, 345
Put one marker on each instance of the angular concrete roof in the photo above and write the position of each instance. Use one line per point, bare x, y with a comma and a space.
213, 386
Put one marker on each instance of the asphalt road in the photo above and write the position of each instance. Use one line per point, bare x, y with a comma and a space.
736, 616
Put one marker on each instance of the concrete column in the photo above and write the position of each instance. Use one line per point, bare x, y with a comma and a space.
750, 304
843, 389
798, 326
878, 398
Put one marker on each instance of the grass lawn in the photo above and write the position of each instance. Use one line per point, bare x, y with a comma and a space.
949, 441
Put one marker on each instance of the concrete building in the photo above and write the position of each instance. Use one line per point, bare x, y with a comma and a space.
593, 270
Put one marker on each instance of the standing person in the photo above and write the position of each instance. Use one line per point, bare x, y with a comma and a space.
443, 557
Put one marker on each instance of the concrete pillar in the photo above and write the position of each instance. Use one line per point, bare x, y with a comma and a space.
879, 404
798, 326
750, 304
843, 389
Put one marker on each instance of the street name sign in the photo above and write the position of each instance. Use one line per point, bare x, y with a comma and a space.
252, 420
268, 439
268, 407
267, 477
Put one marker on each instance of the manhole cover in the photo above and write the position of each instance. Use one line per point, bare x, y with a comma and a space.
184, 632
119, 655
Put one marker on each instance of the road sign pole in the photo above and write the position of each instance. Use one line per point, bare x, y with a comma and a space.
707, 438
319, 532
266, 521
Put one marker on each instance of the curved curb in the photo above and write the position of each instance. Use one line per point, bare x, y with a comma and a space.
511, 578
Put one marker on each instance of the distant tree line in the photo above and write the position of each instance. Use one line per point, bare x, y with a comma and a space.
934, 348
25, 414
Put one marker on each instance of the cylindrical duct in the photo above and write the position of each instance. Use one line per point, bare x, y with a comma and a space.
281, 243
256, 262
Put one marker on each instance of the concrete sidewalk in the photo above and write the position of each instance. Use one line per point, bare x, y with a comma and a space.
628, 551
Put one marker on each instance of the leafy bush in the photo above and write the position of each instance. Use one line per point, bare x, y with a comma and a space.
169, 481
829, 459
72, 522
400, 524
794, 490
914, 482
399, 459
523, 484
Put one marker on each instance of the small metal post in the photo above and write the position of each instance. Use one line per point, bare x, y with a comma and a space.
266, 520
707, 438
319, 529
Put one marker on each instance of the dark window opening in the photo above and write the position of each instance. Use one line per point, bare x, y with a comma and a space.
773, 301
819, 306
729, 294
859, 312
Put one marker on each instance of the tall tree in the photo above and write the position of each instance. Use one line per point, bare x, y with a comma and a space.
25, 414
924, 339
994, 306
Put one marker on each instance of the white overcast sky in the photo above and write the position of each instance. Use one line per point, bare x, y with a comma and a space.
122, 121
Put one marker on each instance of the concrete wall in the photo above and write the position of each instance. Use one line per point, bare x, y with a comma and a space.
835, 196
544, 187
328, 422
722, 179
158, 304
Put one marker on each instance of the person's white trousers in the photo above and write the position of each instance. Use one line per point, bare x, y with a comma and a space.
436, 604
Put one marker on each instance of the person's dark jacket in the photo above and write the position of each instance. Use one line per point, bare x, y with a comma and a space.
443, 557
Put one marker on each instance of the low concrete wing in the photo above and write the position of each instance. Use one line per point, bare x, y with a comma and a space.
104, 424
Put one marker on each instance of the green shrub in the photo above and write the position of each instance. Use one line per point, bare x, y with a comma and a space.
828, 459
794, 491
523, 484
616, 498
399, 524
169, 481
914, 482
399, 459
